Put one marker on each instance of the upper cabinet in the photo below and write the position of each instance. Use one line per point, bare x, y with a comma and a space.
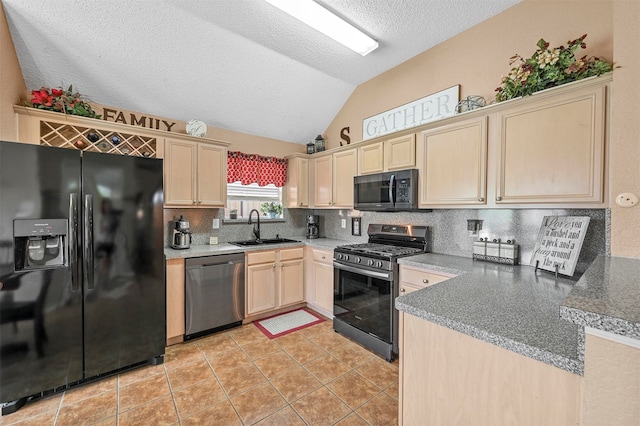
345, 167
332, 179
371, 158
393, 154
296, 190
322, 181
452, 161
195, 174
552, 149
400, 153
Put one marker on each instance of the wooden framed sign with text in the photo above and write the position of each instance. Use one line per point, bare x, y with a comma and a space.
559, 243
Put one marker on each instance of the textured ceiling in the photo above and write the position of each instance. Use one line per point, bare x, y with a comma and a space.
236, 64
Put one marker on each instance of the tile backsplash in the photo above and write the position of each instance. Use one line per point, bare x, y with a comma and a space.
449, 235
448, 227
292, 226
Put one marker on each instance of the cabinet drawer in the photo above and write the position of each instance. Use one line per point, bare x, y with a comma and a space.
292, 253
261, 257
322, 256
419, 278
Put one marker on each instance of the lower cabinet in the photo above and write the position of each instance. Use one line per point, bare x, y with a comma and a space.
319, 280
175, 300
468, 381
412, 279
275, 279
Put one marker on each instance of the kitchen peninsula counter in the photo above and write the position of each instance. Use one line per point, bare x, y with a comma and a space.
607, 297
513, 307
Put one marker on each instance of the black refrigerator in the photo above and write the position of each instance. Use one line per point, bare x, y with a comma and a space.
82, 286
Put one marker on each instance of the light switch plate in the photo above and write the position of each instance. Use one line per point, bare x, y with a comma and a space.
343, 223
355, 226
215, 224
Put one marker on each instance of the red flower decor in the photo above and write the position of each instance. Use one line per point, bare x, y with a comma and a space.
61, 100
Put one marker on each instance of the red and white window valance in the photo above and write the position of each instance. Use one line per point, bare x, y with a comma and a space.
253, 168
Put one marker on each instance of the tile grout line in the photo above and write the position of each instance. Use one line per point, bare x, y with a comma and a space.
173, 399
226, 394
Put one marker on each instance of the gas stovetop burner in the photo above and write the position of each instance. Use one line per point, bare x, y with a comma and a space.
386, 250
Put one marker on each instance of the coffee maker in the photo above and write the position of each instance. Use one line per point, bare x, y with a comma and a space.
313, 226
181, 238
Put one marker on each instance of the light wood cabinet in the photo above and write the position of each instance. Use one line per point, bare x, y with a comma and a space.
412, 279
393, 154
319, 280
371, 158
275, 278
195, 174
447, 377
452, 161
400, 153
345, 167
296, 190
322, 177
175, 300
332, 179
552, 149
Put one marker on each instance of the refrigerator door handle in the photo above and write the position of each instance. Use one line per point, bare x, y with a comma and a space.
88, 240
73, 242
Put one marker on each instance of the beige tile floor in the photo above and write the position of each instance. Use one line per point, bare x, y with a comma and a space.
239, 377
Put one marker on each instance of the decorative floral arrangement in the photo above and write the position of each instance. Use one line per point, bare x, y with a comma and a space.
548, 68
60, 100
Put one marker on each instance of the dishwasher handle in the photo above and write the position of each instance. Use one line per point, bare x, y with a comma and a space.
209, 261
231, 262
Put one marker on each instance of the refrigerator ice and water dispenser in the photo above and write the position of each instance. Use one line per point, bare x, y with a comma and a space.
40, 243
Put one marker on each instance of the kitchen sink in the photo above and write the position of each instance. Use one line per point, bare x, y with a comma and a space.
266, 241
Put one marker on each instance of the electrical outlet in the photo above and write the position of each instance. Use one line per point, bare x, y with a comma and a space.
213, 240
215, 224
627, 199
343, 223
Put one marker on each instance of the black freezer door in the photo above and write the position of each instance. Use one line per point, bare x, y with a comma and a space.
40, 312
124, 286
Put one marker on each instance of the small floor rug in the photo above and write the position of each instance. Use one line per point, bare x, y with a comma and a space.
281, 324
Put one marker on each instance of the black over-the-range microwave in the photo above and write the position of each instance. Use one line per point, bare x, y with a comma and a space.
389, 191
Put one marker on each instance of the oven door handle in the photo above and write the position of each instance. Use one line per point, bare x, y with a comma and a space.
382, 275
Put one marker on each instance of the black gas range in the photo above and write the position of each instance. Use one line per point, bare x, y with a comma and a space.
366, 285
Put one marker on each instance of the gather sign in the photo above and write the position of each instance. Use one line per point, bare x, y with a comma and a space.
430, 108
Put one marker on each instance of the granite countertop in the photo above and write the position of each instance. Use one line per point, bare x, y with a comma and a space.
201, 250
509, 306
607, 297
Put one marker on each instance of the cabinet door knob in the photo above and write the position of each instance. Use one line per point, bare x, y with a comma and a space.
323, 257
300, 203
199, 201
274, 266
402, 290
481, 199
425, 281
498, 198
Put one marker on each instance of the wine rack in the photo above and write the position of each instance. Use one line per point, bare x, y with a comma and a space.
64, 135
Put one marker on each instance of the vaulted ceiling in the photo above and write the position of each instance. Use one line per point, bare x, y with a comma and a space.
241, 65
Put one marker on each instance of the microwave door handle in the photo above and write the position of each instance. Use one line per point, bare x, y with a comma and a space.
392, 191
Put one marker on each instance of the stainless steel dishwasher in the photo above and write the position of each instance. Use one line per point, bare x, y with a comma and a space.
214, 294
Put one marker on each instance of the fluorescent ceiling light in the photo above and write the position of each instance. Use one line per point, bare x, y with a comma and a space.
316, 16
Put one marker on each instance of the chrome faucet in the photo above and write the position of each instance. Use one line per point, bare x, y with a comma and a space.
256, 230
